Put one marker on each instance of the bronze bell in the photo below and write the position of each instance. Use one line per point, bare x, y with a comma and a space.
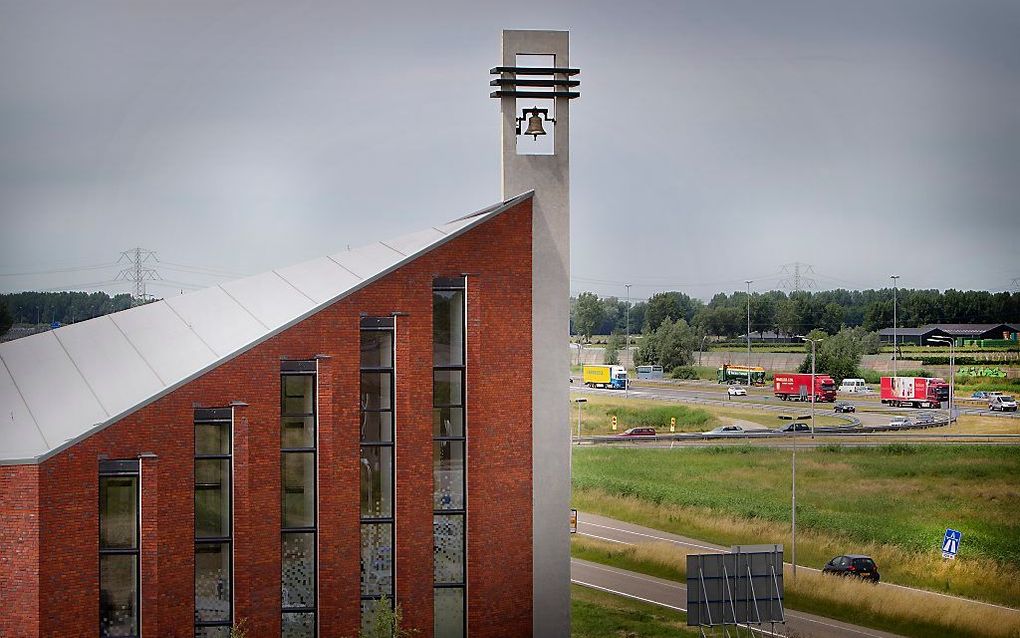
535, 126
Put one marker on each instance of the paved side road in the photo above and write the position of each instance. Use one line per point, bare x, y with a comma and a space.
674, 596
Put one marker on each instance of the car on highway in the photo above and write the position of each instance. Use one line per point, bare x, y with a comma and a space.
844, 407
736, 391
981, 394
725, 430
900, 421
856, 565
795, 427
925, 418
1002, 403
638, 432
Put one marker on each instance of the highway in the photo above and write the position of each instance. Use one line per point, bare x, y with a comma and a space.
674, 594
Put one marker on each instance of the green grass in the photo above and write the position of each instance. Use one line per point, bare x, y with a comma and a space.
894, 502
598, 614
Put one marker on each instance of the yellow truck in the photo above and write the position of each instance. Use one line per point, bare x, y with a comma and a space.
604, 377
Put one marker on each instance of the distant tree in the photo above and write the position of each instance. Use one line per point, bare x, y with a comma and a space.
588, 314
672, 304
670, 345
613, 346
787, 319
878, 315
839, 355
832, 318
6, 320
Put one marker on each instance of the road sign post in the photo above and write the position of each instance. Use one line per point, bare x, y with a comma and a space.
672, 424
573, 521
951, 543
614, 423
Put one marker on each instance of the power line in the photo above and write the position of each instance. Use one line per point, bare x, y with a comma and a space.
797, 276
58, 270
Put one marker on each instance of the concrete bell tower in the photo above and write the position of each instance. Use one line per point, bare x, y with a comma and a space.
535, 84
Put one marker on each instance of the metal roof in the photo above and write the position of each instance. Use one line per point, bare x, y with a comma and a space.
63, 385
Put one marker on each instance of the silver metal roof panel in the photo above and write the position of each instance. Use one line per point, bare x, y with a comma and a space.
20, 437
109, 363
321, 279
269, 298
369, 260
150, 327
222, 323
61, 402
414, 242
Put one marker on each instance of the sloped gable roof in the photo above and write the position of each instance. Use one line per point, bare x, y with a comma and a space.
63, 385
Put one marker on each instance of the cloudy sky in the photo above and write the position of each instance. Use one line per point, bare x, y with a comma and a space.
714, 140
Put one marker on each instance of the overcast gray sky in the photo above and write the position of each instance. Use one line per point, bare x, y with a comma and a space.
713, 141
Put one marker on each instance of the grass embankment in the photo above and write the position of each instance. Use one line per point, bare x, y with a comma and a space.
893, 503
597, 413
597, 614
905, 612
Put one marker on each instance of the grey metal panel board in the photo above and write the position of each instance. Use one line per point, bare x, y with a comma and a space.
151, 327
270, 298
454, 226
369, 260
19, 436
54, 390
321, 279
413, 243
217, 319
110, 364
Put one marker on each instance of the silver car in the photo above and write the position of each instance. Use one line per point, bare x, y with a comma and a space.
1002, 403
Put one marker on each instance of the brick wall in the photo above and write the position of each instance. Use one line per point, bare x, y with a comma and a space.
497, 256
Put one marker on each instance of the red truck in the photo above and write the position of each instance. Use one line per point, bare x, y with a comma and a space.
914, 392
791, 386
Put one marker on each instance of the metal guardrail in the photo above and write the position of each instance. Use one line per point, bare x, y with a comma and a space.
847, 430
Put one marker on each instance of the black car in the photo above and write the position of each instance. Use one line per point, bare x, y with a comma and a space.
844, 407
856, 565
925, 418
795, 427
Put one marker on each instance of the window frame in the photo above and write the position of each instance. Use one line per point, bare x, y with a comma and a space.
224, 417
111, 469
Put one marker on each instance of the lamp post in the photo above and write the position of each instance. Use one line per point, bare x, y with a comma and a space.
793, 507
748, 282
894, 348
952, 373
626, 385
571, 468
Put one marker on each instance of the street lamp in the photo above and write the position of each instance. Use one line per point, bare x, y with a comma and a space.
626, 385
952, 373
571, 462
793, 508
749, 282
894, 348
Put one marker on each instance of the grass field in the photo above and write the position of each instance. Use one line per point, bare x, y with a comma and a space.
597, 413
597, 614
905, 612
893, 502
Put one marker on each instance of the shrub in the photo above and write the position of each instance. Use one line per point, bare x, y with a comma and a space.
684, 372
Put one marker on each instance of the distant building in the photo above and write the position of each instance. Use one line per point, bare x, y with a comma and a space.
920, 336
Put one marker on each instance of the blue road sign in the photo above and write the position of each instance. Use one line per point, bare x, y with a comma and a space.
951, 543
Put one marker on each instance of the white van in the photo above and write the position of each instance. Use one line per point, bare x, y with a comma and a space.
854, 386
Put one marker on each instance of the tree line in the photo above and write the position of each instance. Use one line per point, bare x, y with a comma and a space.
64, 307
725, 315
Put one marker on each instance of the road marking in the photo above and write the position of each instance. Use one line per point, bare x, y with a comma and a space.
629, 574
626, 595
810, 569
604, 538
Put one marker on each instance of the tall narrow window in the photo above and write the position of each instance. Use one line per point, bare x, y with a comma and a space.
449, 501
377, 471
297, 498
213, 522
119, 512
